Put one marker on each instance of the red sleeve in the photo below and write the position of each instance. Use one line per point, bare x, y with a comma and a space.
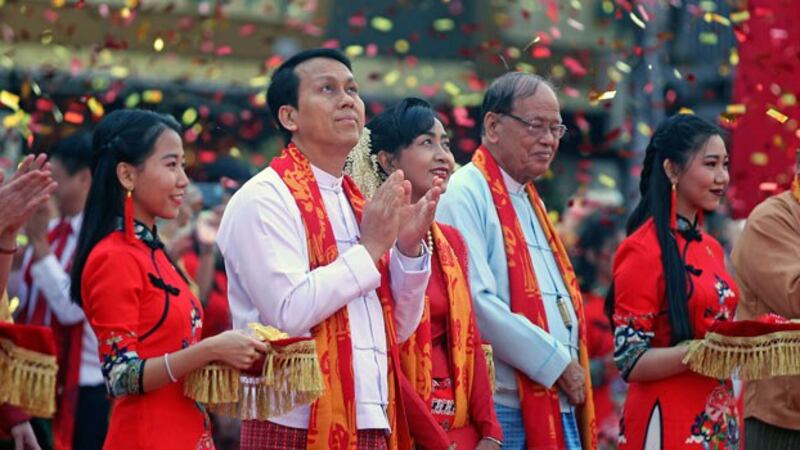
638, 297
112, 284
11, 416
482, 413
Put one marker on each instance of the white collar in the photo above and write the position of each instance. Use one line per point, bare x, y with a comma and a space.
513, 186
325, 180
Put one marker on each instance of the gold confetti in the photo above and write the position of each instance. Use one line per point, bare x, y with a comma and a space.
9, 99
353, 51
740, 16
96, 107
639, 23
607, 95
402, 46
391, 78
759, 159
685, 110
777, 115
444, 24
607, 181
709, 38
260, 81
451, 88
382, 24
788, 99
737, 108
153, 96
189, 116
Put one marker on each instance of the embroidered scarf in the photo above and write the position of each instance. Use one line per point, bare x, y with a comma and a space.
541, 410
332, 423
415, 354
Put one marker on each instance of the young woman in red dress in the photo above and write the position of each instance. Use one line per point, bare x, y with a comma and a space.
138, 303
670, 286
443, 360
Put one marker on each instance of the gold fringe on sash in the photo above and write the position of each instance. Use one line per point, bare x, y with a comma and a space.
27, 379
489, 354
290, 377
752, 358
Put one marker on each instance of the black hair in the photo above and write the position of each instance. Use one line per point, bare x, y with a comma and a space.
129, 136
499, 97
74, 152
396, 128
283, 90
594, 233
677, 139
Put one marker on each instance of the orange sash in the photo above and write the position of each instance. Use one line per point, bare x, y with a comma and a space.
332, 423
415, 354
541, 411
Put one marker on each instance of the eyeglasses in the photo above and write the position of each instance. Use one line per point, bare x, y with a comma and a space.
536, 129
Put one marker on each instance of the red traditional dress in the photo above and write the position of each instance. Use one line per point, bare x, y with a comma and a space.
600, 341
141, 307
686, 410
444, 359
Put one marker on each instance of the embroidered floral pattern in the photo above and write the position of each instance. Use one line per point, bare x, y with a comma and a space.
717, 427
631, 340
122, 369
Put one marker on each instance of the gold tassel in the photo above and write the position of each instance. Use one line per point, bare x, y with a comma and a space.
489, 354
290, 377
28, 379
752, 358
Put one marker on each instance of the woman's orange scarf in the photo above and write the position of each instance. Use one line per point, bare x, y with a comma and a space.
332, 423
415, 354
541, 410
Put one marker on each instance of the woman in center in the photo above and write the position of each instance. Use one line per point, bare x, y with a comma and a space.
443, 360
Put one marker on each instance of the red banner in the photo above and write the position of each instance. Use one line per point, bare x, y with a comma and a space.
766, 131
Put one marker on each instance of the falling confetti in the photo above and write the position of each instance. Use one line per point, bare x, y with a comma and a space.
777, 115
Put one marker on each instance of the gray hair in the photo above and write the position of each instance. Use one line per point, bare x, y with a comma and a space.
500, 96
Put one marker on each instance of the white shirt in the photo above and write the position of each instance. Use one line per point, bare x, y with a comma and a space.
548, 277
51, 279
263, 241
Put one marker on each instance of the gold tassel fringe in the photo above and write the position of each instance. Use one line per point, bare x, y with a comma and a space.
489, 354
28, 379
752, 358
290, 377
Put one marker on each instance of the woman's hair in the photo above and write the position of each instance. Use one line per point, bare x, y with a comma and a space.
594, 233
398, 126
677, 139
127, 136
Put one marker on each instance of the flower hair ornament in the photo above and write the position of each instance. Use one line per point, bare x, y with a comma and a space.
362, 166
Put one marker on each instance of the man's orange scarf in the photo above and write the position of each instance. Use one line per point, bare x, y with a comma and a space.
541, 411
415, 354
332, 423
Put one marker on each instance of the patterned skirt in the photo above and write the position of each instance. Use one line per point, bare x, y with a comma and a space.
264, 435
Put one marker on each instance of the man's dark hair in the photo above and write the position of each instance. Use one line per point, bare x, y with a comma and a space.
74, 152
285, 82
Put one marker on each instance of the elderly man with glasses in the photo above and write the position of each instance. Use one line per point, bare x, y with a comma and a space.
527, 301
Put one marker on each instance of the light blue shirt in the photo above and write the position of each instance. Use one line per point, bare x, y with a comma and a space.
518, 344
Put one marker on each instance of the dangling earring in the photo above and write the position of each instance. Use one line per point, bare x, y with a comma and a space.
129, 235
673, 208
